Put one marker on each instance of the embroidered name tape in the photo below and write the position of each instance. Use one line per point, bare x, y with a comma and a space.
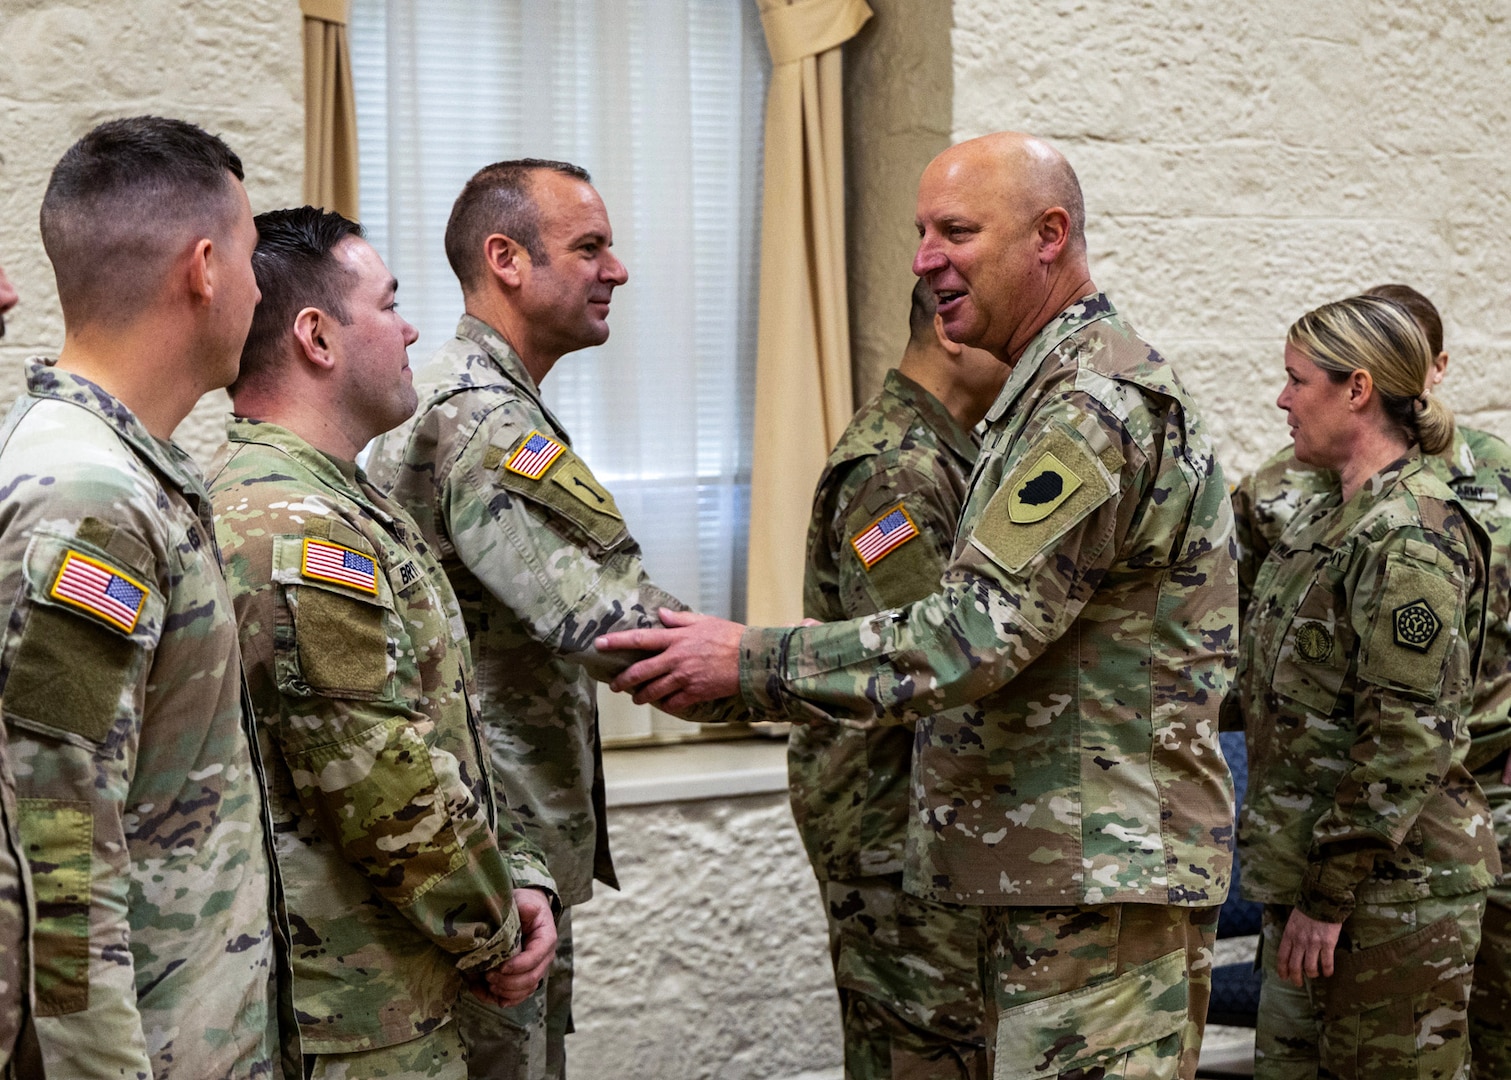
105, 593
325, 561
884, 536
534, 456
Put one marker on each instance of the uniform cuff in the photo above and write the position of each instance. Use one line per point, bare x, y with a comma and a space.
1327, 889
502, 945
761, 653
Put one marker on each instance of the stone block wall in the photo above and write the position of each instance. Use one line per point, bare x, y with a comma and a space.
1244, 163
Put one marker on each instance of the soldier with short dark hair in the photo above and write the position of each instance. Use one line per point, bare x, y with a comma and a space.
884, 518
159, 945
402, 880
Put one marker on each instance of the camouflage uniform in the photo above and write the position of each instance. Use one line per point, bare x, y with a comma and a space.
1081, 645
1477, 468
359, 672
907, 969
1358, 655
158, 946
541, 562
18, 1036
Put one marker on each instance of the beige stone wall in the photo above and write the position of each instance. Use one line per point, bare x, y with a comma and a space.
233, 66
1245, 162
898, 91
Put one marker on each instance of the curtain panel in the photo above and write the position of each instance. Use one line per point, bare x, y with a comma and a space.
803, 393
330, 110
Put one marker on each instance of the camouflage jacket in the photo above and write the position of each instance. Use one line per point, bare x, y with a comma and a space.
159, 949
1081, 643
1358, 654
17, 914
1477, 469
362, 683
904, 452
542, 563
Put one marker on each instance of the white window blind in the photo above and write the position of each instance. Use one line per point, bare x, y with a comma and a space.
662, 101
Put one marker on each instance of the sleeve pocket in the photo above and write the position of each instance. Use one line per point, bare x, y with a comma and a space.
337, 642
58, 838
1418, 618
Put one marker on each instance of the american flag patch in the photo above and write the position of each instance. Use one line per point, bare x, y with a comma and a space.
92, 586
887, 533
534, 456
325, 561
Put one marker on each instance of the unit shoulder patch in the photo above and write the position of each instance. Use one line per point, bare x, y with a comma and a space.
324, 561
1039, 490
100, 590
535, 454
580, 483
883, 536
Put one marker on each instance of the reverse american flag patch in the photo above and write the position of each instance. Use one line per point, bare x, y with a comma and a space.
325, 561
105, 593
534, 456
885, 535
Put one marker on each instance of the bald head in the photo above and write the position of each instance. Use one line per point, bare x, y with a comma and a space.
1002, 239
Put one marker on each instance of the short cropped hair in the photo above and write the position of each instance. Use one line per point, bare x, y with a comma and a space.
498, 200
1418, 307
295, 269
121, 204
921, 314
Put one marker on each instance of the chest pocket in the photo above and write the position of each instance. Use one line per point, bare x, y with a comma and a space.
545, 471
83, 633
336, 640
1314, 652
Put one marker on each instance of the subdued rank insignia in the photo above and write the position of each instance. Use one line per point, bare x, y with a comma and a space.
1314, 642
1417, 625
534, 456
104, 592
325, 561
1045, 486
884, 535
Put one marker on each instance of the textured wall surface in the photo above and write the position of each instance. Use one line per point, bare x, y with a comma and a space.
1244, 163
897, 117
713, 961
233, 66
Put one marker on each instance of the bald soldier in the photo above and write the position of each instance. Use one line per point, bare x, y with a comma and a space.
906, 969
1066, 676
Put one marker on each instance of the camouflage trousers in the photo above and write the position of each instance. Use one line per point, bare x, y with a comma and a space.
528, 1041
1100, 992
909, 978
437, 1056
1490, 1001
1395, 1007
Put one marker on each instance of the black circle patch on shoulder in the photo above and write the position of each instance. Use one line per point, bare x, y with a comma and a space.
1314, 642
1416, 625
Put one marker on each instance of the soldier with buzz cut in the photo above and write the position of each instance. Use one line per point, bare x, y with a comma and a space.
159, 944
534, 545
402, 880
884, 520
1066, 674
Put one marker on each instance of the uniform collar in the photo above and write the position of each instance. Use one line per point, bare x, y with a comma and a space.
933, 413
45, 381
1459, 458
1381, 484
345, 478
502, 357
1085, 311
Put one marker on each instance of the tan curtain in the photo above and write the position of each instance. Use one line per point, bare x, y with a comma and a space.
330, 109
803, 397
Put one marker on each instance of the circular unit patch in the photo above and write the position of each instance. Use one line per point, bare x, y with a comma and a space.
1314, 642
1416, 625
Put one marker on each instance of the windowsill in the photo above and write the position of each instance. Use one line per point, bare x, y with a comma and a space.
690, 771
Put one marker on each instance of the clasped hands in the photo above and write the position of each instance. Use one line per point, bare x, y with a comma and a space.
511, 982
696, 659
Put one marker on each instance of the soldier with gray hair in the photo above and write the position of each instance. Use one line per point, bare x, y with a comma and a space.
159, 945
1065, 675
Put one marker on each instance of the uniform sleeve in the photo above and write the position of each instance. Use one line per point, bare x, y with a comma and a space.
1253, 544
547, 539
1033, 558
367, 769
1412, 613
75, 682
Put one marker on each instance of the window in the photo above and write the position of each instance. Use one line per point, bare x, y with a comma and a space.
662, 101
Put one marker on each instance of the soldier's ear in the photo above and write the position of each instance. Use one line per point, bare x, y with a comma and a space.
951, 347
312, 329
505, 260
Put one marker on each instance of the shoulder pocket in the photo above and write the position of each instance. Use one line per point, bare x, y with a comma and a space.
82, 633
1418, 619
336, 643
891, 560
545, 470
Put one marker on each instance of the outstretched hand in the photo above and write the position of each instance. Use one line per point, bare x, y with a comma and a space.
697, 659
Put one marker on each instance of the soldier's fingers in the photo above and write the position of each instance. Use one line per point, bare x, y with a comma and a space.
669, 617
651, 639
652, 692
641, 672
